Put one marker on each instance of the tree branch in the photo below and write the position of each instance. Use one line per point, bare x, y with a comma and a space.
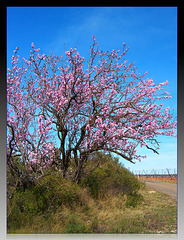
121, 155
155, 151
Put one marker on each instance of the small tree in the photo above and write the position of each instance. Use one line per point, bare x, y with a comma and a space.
99, 105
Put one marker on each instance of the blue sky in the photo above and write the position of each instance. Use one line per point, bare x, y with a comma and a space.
149, 32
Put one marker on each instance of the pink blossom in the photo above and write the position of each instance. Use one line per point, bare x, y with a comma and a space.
106, 106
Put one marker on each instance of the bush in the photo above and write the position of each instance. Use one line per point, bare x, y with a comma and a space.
74, 225
52, 194
47, 196
60, 191
134, 199
111, 178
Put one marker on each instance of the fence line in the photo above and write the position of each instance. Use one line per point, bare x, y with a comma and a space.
156, 173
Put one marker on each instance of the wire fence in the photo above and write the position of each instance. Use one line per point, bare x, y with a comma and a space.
156, 173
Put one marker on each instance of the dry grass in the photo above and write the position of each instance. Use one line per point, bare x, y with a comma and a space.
156, 214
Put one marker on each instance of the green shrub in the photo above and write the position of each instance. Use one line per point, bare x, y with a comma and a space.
53, 193
134, 199
47, 196
95, 182
111, 178
76, 226
60, 192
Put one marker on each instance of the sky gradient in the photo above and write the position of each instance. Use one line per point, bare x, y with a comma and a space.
149, 32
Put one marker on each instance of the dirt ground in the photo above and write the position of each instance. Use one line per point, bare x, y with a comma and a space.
168, 188
161, 179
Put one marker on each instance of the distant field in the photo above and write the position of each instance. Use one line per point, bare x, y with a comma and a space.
163, 179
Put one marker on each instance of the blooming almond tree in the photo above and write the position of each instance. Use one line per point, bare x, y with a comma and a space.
101, 104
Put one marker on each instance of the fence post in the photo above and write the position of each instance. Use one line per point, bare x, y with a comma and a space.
168, 173
158, 174
154, 171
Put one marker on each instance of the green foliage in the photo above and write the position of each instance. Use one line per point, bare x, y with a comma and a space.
74, 225
158, 212
22, 206
61, 191
134, 199
111, 178
47, 196
52, 193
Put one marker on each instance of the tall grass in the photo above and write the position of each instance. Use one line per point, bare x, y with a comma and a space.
108, 200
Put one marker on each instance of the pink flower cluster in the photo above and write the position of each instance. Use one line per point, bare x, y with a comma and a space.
108, 106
